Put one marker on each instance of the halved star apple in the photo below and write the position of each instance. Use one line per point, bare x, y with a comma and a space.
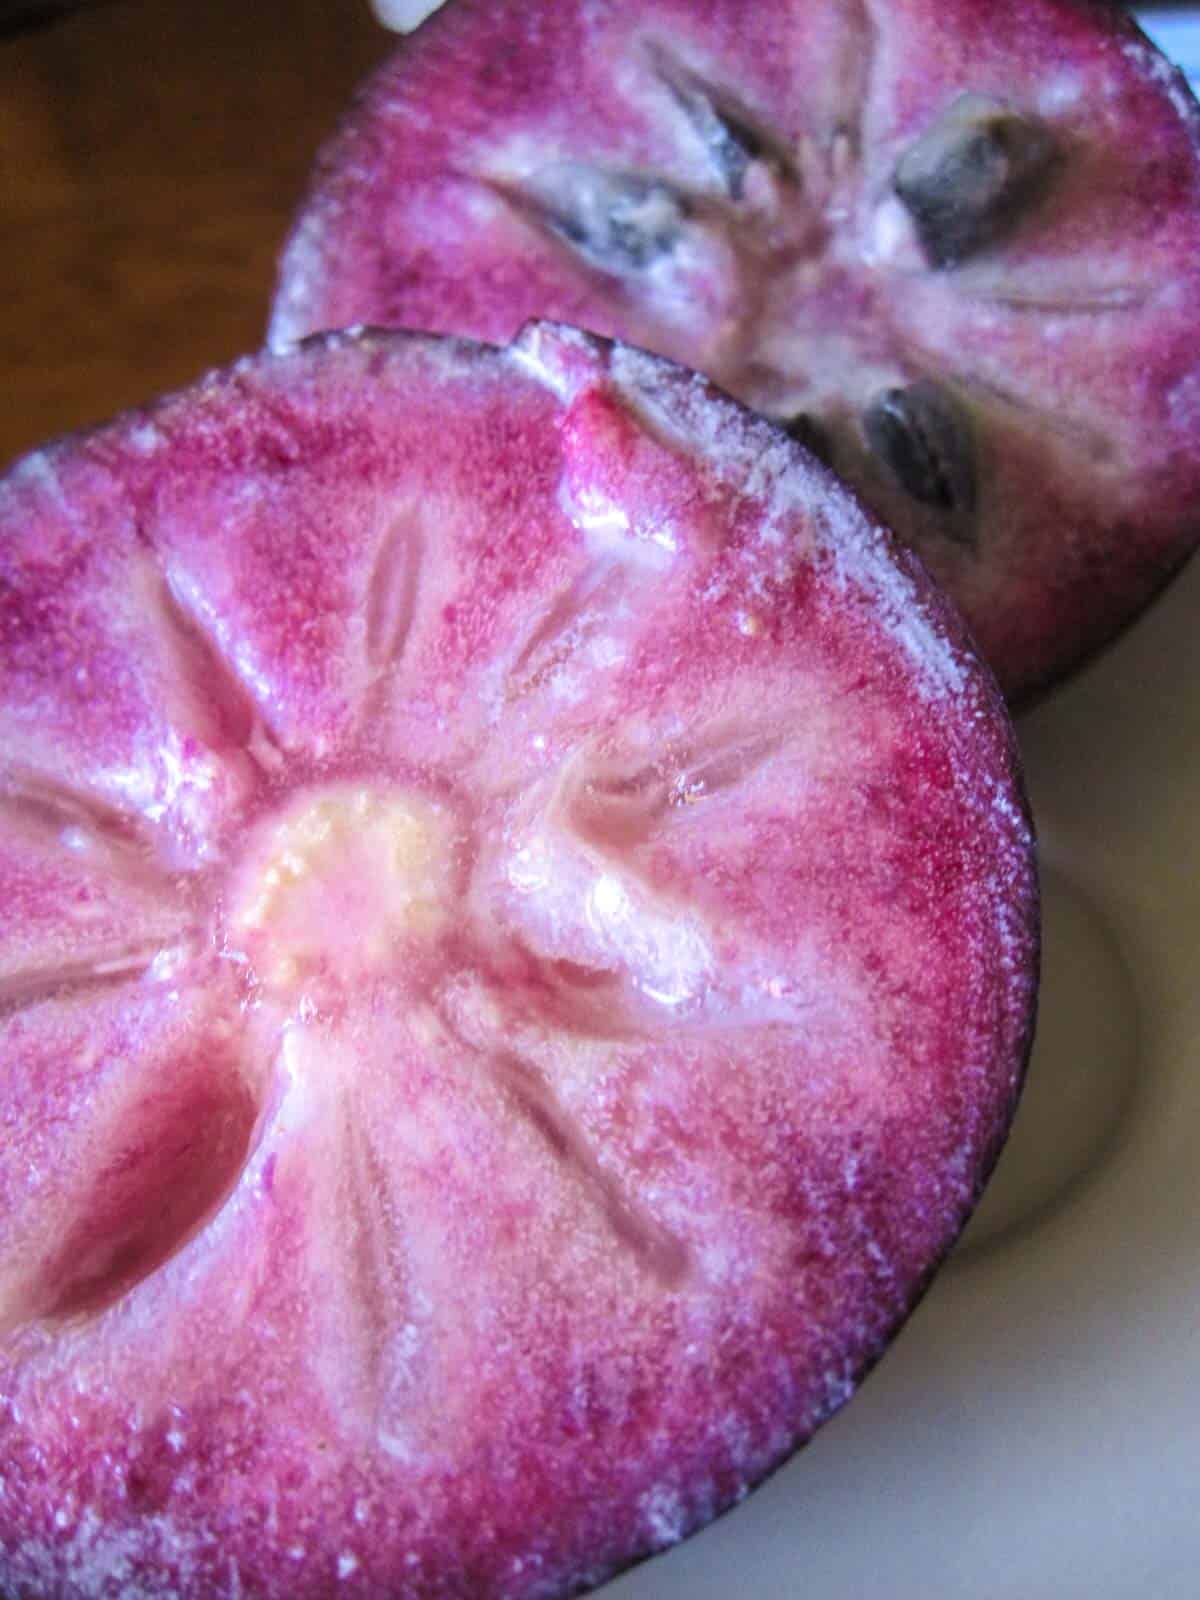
956, 253
519, 954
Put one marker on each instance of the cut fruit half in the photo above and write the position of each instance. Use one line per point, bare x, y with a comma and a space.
959, 259
519, 956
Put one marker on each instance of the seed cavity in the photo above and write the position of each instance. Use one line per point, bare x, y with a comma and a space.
161, 1171
77, 822
621, 222
731, 143
1067, 302
660, 1251
924, 437
973, 176
616, 804
66, 980
732, 137
575, 620
202, 666
392, 592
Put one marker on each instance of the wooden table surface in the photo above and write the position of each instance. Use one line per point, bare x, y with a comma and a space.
151, 154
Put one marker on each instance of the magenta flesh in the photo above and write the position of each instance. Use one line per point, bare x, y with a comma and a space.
519, 954
824, 206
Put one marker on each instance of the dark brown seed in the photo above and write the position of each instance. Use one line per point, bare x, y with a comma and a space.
734, 146
622, 222
971, 178
924, 437
728, 133
732, 143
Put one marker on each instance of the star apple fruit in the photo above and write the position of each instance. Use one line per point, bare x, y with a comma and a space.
957, 255
519, 954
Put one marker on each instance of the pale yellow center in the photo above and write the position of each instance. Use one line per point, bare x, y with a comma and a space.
341, 885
